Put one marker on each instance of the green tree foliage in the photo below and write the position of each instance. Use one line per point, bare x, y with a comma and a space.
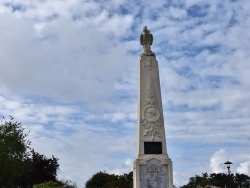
14, 150
58, 184
50, 184
19, 165
241, 181
98, 180
68, 184
218, 180
105, 180
39, 169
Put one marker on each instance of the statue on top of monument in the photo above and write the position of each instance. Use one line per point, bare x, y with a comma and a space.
146, 41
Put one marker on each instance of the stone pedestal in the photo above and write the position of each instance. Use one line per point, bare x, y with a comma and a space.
153, 172
152, 166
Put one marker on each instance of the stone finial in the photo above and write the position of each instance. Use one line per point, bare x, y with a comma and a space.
146, 41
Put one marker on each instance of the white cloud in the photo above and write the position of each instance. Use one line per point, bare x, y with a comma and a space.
118, 116
57, 56
244, 167
217, 161
235, 156
177, 13
125, 167
72, 66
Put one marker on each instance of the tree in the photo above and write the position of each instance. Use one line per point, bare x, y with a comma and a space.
48, 185
125, 181
68, 184
193, 182
39, 169
98, 180
21, 166
58, 184
242, 180
218, 180
105, 180
14, 150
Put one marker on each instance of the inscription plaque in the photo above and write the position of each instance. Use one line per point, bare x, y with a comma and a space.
152, 147
154, 175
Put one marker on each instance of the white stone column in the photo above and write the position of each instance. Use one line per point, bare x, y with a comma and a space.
152, 166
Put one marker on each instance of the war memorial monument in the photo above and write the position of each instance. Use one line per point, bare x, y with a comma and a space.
152, 166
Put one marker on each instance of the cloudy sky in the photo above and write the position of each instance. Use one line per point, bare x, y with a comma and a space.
68, 72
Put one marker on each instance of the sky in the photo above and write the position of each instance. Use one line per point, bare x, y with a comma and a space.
69, 73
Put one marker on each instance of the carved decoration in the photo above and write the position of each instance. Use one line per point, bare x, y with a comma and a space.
146, 40
150, 96
151, 118
154, 168
148, 64
151, 114
153, 174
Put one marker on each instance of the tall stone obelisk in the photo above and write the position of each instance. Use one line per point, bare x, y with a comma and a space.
152, 166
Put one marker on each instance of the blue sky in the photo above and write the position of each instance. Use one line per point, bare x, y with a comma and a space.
68, 71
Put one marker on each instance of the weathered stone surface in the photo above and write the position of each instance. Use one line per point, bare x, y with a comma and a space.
153, 174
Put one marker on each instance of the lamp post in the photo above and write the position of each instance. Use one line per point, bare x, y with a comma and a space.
228, 163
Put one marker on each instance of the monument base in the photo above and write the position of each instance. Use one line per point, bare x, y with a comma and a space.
153, 171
